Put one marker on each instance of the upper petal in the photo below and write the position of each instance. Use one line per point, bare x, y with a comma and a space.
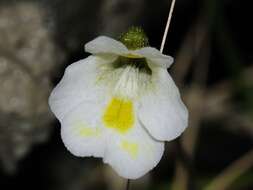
105, 45
155, 57
162, 111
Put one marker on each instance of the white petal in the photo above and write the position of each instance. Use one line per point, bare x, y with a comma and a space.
77, 85
134, 154
82, 131
105, 45
154, 56
162, 111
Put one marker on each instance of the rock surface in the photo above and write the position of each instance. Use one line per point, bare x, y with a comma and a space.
28, 57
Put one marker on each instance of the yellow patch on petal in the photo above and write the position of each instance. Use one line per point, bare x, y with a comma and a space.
130, 148
86, 131
119, 115
133, 56
90, 132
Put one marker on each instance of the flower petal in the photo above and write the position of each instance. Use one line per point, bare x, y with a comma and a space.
82, 131
162, 111
154, 56
105, 45
77, 85
133, 154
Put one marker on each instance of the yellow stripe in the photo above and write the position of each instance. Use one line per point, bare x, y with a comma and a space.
119, 115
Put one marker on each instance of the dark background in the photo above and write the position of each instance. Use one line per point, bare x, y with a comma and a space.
211, 41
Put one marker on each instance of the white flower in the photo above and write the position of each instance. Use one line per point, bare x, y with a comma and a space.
120, 105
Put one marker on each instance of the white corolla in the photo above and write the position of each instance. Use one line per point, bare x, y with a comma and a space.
119, 104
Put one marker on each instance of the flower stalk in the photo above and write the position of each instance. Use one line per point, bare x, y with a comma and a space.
167, 25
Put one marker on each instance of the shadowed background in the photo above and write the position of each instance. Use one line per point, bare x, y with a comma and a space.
211, 42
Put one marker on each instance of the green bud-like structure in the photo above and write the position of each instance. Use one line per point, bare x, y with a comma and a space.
134, 38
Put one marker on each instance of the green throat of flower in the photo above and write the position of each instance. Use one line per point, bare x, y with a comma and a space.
139, 63
134, 38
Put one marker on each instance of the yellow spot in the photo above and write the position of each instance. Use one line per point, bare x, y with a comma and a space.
119, 115
130, 148
86, 131
133, 56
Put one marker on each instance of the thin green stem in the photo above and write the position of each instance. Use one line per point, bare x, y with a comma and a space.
128, 184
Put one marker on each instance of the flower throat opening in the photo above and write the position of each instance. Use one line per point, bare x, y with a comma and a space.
138, 63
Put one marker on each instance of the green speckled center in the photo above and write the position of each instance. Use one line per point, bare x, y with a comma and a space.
134, 38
